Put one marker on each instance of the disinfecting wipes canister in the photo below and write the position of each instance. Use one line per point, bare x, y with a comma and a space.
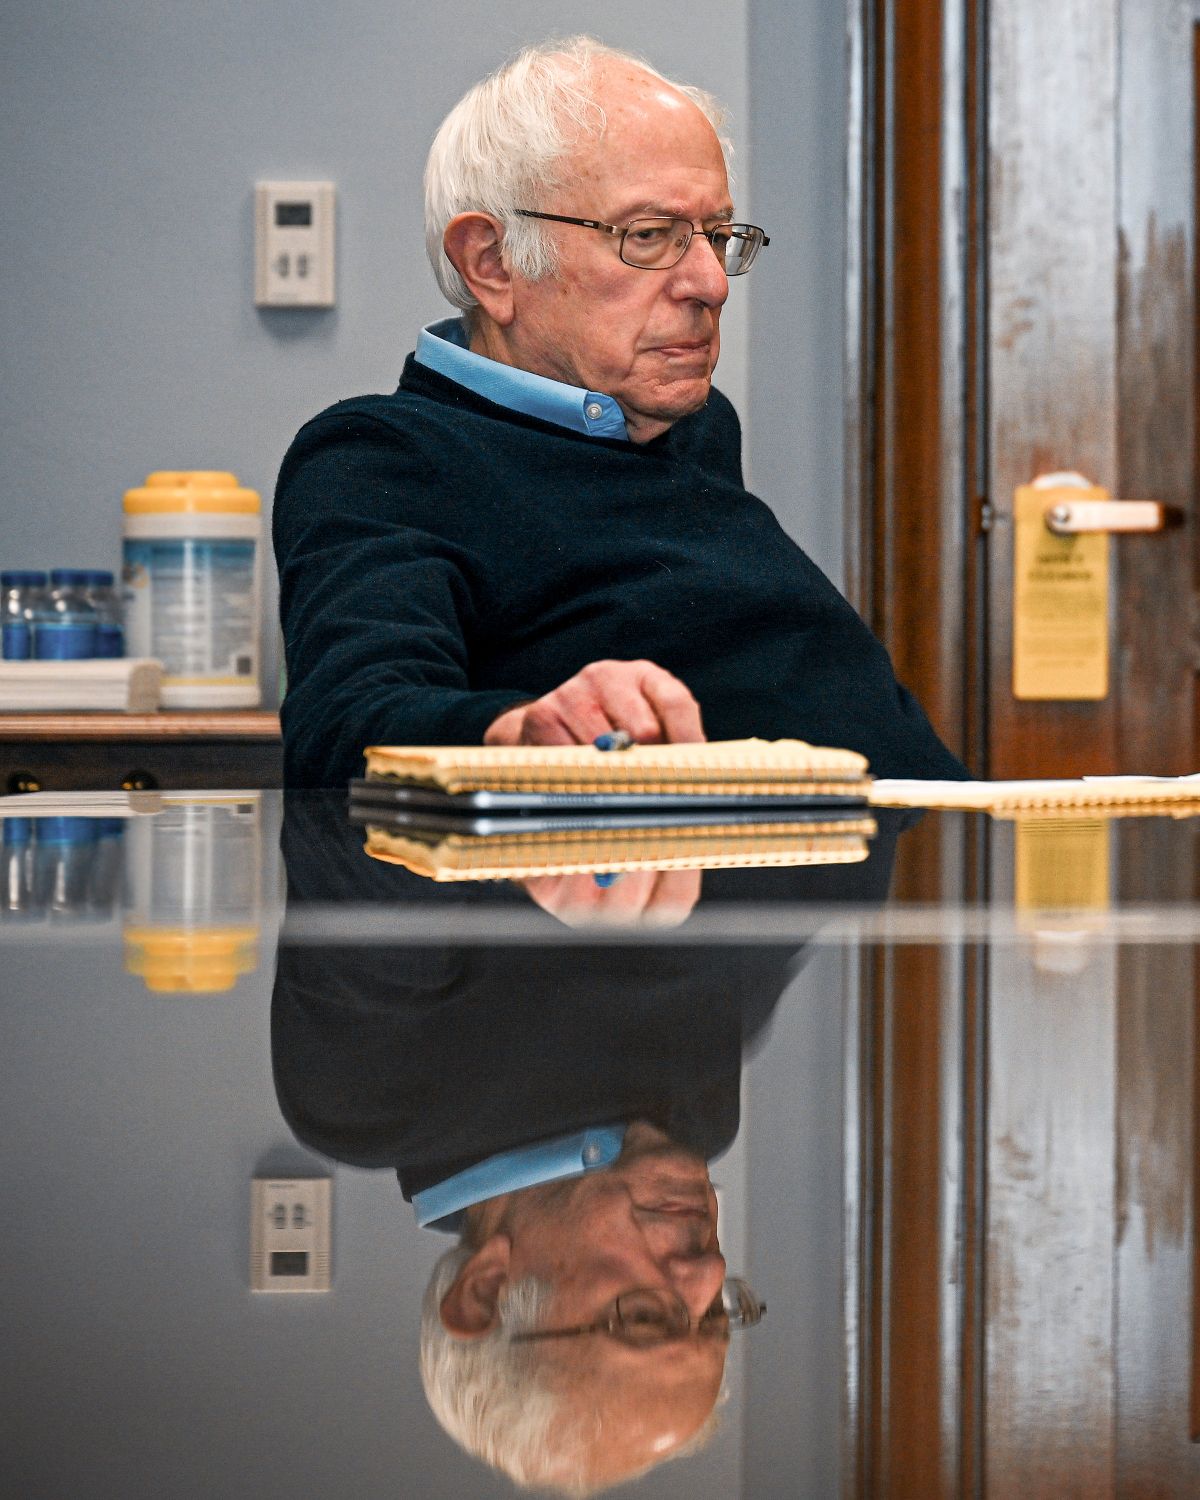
193, 586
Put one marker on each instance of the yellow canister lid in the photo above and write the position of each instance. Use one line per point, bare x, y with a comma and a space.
198, 960
209, 491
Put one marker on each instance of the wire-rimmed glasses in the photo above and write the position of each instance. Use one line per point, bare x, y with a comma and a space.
659, 244
649, 1316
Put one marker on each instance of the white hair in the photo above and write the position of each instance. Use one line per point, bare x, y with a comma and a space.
488, 1393
492, 1395
503, 145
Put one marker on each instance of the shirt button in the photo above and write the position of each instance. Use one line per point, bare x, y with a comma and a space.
591, 1154
593, 410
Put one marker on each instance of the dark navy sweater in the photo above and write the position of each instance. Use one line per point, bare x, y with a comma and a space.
442, 558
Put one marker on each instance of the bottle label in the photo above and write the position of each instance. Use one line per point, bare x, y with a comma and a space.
110, 640
190, 603
18, 640
63, 642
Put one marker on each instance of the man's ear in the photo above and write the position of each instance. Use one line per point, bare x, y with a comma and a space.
473, 244
471, 1308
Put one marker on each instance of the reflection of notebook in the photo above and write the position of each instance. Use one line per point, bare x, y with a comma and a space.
519, 853
722, 768
1113, 795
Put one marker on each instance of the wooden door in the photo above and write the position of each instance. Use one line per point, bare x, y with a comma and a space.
1022, 300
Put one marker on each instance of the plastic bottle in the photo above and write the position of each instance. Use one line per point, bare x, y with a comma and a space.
193, 570
21, 592
17, 898
63, 855
106, 876
64, 623
101, 594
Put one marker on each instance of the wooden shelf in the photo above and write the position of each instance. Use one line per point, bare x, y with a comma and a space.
190, 724
180, 750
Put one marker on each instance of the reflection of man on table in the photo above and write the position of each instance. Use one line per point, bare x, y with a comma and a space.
556, 1107
555, 487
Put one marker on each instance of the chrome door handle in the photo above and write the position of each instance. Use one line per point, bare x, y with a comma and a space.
1069, 517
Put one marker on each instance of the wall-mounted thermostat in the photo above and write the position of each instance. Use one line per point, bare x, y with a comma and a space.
291, 1227
293, 244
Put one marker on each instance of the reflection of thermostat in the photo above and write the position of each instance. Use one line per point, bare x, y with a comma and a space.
293, 244
290, 1232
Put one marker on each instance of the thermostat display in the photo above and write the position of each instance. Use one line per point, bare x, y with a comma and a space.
293, 244
290, 1233
292, 215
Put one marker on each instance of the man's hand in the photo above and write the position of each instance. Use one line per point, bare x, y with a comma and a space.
636, 696
640, 898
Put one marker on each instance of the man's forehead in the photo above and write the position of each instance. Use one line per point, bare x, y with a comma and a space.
657, 155
667, 208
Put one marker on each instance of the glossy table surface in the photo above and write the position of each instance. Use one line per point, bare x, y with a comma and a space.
948, 1094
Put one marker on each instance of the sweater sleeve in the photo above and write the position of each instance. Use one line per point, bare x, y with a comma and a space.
377, 601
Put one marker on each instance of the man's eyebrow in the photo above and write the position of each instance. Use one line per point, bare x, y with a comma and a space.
665, 211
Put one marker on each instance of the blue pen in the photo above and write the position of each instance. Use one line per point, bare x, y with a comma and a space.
619, 739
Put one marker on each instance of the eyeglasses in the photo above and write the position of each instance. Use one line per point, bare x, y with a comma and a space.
648, 1317
659, 244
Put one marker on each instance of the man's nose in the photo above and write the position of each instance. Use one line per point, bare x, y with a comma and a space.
701, 273
697, 1279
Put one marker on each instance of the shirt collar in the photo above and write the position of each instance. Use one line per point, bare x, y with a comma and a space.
443, 347
441, 1206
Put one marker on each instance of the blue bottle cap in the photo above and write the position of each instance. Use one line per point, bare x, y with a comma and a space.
22, 578
69, 577
97, 578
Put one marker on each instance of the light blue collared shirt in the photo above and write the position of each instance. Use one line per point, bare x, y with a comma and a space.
444, 347
441, 1206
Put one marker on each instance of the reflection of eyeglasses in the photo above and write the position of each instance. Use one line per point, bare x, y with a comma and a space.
659, 244
647, 1317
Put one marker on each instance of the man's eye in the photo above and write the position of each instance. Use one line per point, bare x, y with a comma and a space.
649, 234
646, 1317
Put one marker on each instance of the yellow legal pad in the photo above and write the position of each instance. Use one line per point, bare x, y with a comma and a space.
517, 855
718, 768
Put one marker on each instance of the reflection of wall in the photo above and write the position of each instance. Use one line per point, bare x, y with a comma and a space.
795, 1368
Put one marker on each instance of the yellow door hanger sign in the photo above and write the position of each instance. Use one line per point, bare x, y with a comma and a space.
1060, 597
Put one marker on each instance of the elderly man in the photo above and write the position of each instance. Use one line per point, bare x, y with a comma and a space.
543, 534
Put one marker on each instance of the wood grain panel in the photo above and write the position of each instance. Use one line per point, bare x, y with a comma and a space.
1051, 1207
1195, 1224
1156, 657
1052, 380
1156, 1146
1155, 1453
909, 513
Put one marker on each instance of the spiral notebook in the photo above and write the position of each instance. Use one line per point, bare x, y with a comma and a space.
1116, 796
722, 772
521, 854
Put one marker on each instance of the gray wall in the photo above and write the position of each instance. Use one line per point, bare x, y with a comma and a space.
133, 131
797, 75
